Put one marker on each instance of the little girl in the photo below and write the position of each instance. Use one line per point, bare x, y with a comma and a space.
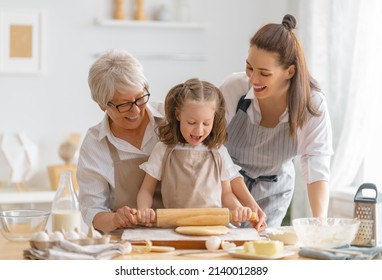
191, 162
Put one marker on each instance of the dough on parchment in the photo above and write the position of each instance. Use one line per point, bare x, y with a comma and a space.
202, 230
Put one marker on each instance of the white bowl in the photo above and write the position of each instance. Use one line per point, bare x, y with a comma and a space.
20, 225
325, 232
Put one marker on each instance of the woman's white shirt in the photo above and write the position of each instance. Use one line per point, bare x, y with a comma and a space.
314, 139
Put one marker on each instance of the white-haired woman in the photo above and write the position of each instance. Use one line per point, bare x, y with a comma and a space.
108, 172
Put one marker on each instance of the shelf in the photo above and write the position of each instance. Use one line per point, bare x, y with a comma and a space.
149, 24
26, 197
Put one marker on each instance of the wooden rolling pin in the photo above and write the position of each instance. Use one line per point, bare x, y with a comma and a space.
195, 217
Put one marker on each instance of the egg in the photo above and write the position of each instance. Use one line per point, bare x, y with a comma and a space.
40, 236
97, 234
213, 243
56, 236
128, 247
228, 245
72, 235
81, 235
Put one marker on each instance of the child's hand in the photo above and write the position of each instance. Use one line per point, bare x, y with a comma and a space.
146, 216
241, 214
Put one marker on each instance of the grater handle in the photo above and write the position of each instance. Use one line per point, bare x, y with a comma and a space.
360, 198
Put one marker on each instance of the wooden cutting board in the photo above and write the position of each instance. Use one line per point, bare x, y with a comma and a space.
168, 237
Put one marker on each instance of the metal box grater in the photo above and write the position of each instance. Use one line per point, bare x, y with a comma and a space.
368, 209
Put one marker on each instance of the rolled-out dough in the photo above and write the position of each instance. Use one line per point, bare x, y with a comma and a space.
202, 230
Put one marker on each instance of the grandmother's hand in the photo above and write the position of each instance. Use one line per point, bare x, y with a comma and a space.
125, 217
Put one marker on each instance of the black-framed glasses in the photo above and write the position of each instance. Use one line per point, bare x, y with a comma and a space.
125, 107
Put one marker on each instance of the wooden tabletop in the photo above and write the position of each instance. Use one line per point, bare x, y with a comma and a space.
10, 250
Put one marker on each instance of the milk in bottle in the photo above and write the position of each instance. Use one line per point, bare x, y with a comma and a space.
66, 215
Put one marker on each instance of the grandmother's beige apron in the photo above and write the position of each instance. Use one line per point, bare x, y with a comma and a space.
128, 178
191, 179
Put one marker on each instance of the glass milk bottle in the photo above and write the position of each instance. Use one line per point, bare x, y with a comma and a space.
66, 215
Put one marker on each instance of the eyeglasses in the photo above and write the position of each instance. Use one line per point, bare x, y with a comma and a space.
125, 107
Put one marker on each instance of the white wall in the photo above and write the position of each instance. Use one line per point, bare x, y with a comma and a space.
48, 107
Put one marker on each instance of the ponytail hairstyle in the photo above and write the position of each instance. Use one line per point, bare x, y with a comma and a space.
193, 90
280, 39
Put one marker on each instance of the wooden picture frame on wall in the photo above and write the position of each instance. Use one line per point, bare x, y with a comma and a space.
20, 41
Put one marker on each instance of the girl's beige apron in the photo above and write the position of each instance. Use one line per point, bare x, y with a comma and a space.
191, 179
128, 178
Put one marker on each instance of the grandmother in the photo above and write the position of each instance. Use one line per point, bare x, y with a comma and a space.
108, 172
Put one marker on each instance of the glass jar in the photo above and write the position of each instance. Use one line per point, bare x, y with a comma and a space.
66, 215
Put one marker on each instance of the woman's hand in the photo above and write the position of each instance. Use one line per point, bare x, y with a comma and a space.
146, 216
125, 217
260, 223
